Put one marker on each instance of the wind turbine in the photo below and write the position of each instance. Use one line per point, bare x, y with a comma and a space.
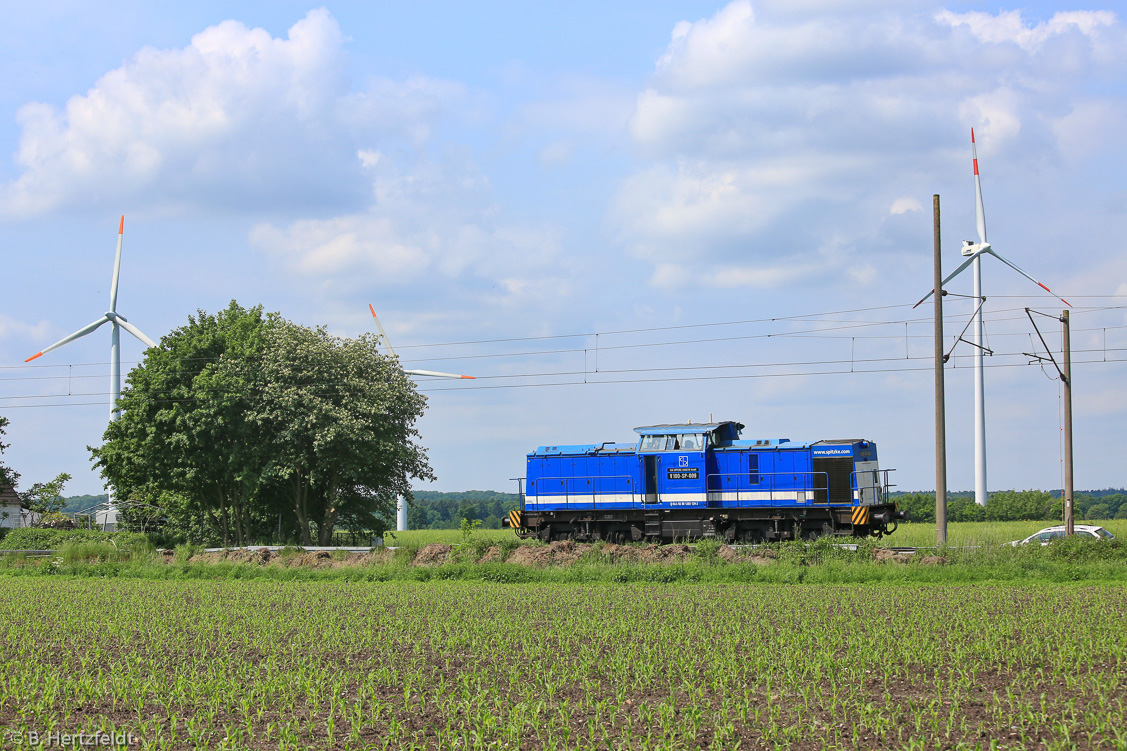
974, 253
400, 504
116, 322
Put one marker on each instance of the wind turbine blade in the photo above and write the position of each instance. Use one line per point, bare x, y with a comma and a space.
1016, 268
434, 374
950, 276
116, 266
979, 212
68, 339
383, 334
135, 331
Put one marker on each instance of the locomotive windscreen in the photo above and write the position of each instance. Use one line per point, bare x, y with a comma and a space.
833, 477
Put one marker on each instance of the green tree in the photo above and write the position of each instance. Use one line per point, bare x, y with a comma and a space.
920, 506
1019, 505
183, 433
46, 497
336, 433
8, 476
964, 509
1098, 511
43, 497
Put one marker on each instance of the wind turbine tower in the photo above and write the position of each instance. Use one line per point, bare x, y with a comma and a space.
969, 249
117, 322
974, 253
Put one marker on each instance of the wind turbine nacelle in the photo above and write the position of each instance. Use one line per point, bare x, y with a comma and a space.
969, 248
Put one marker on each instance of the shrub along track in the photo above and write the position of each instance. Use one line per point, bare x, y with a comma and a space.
322, 664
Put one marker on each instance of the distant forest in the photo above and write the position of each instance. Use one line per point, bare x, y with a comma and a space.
79, 504
432, 510
435, 510
1016, 505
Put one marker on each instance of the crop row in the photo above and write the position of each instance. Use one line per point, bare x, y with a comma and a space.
264, 664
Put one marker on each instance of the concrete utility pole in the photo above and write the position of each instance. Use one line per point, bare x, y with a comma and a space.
940, 406
1064, 370
1066, 379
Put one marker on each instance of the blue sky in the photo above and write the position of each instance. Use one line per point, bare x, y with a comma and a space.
735, 197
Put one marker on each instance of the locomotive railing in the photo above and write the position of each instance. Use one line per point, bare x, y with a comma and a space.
580, 492
769, 484
874, 483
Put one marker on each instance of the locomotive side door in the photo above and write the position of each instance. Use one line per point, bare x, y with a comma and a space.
650, 467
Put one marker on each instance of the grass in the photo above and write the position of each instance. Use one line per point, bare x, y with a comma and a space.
908, 535
820, 563
445, 665
985, 533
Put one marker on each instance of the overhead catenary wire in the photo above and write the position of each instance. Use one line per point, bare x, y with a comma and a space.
426, 388
837, 330
992, 317
798, 335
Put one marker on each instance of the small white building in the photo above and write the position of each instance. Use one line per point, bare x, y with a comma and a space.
104, 516
12, 514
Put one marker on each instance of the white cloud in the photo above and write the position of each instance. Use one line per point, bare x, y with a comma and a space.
434, 221
769, 127
11, 328
1090, 127
904, 205
1008, 26
237, 119
556, 152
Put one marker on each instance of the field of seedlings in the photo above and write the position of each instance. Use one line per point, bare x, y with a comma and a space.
351, 665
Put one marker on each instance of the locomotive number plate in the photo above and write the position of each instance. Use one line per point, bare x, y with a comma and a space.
679, 473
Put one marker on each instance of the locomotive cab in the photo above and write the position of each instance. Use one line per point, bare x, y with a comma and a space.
673, 463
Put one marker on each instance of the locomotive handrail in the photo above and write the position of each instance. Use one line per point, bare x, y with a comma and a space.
808, 487
880, 488
567, 494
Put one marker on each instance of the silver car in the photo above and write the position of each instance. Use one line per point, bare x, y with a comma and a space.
1047, 535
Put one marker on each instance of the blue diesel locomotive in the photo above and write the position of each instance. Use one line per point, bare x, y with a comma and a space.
691, 481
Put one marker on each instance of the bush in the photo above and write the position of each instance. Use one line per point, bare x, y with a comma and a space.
85, 552
55, 520
33, 538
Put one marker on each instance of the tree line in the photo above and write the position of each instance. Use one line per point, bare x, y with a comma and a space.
242, 426
1015, 505
430, 509
436, 510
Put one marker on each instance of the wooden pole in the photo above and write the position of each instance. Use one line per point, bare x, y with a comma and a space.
940, 407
